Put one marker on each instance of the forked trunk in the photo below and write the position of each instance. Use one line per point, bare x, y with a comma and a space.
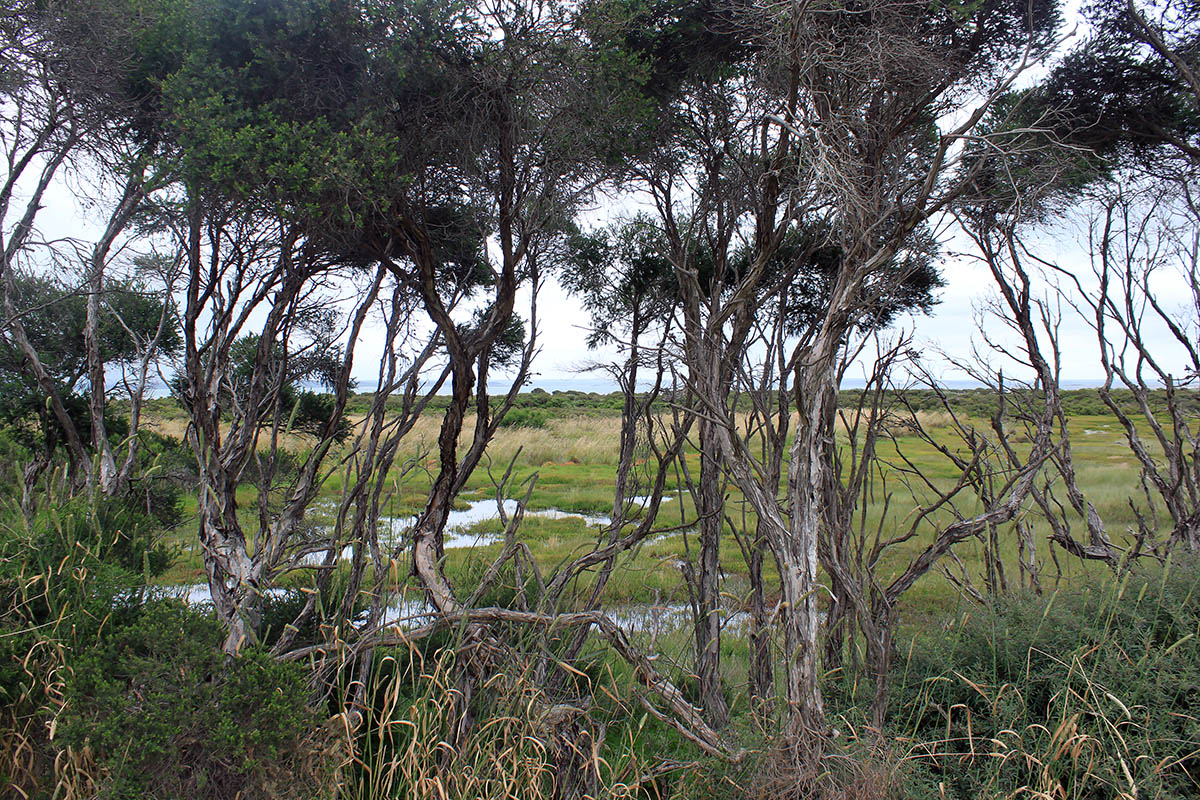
232, 579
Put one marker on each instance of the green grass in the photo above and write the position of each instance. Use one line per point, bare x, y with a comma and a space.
987, 676
573, 460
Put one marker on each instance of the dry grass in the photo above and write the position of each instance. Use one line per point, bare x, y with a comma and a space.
29, 757
524, 746
1089, 744
573, 440
564, 440
853, 766
177, 429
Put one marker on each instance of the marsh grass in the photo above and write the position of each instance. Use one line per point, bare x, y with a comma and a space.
573, 458
1085, 694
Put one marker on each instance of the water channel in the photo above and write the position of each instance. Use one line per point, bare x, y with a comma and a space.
412, 611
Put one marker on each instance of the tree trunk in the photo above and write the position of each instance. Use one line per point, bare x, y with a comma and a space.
879, 660
762, 677
223, 546
108, 479
808, 473
709, 507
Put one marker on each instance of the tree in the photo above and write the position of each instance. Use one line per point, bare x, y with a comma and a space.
135, 324
1141, 237
818, 132
435, 152
72, 87
318, 362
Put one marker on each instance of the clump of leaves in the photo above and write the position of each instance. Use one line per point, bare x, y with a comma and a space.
168, 715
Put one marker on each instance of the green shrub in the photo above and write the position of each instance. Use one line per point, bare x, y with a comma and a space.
166, 469
73, 560
65, 576
1085, 696
168, 715
525, 418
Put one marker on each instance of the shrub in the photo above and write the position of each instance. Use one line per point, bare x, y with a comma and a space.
168, 715
525, 418
1089, 695
62, 574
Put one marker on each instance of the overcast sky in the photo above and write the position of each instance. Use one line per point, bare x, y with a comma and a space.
953, 326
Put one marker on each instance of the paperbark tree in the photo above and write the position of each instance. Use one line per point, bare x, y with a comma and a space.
822, 125
872, 140
1141, 241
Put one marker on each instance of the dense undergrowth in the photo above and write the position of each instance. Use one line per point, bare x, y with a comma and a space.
1087, 694
113, 690
116, 692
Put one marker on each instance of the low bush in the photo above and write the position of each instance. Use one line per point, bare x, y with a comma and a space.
1089, 695
106, 691
525, 418
166, 714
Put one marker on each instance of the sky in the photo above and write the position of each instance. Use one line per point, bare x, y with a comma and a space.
954, 326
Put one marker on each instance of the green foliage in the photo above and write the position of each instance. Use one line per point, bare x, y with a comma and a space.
53, 316
65, 569
1112, 101
12, 455
623, 278
170, 716
258, 96
1085, 695
525, 418
141, 682
982, 403
311, 413
61, 573
671, 42
908, 281
165, 470
319, 362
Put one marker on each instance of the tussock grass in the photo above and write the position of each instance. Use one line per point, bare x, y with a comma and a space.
564, 440
415, 741
176, 428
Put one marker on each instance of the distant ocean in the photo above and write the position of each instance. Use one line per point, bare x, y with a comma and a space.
606, 385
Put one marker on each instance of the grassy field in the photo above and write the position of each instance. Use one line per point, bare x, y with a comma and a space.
1084, 692
572, 459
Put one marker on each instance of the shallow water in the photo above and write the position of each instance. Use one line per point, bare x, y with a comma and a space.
457, 533
409, 611
653, 618
198, 593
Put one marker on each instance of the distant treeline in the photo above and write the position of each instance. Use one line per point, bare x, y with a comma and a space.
970, 402
1076, 402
